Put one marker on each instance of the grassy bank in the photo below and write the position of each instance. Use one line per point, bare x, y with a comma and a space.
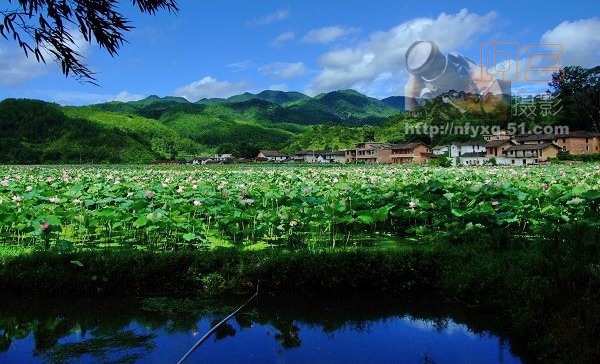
547, 290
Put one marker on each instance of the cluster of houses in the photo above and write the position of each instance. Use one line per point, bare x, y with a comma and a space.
505, 149
501, 148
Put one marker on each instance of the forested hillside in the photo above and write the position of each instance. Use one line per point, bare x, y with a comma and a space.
158, 128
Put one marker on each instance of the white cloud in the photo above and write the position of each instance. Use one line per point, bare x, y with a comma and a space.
209, 87
279, 87
125, 96
327, 34
379, 61
15, 68
579, 40
282, 38
87, 98
283, 70
240, 66
276, 16
580, 46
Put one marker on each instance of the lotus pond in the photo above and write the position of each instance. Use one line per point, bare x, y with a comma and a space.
293, 206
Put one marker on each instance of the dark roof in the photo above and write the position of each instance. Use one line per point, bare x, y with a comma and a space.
470, 142
376, 145
531, 146
407, 145
537, 137
473, 154
579, 134
497, 143
430, 155
317, 153
271, 153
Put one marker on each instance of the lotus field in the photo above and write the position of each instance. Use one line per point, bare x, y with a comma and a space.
295, 207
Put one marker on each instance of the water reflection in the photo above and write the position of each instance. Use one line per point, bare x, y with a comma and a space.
272, 330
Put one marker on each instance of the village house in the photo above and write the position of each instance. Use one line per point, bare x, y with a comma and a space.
469, 153
270, 156
532, 153
223, 157
496, 149
501, 135
440, 150
473, 158
369, 152
320, 156
217, 158
335, 156
535, 138
579, 142
410, 153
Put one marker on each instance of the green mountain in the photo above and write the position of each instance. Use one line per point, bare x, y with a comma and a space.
172, 127
282, 97
39, 132
340, 107
277, 97
153, 98
397, 102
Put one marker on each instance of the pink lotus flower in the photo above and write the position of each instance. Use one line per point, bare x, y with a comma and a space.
149, 194
293, 223
44, 226
54, 199
197, 203
544, 186
495, 203
412, 204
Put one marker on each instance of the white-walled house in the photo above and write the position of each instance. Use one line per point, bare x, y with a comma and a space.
440, 150
525, 154
469, 153
223, 157
271, 156
334, 156
473, 158
474, 146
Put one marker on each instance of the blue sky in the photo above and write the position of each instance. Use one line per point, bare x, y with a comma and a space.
221, 48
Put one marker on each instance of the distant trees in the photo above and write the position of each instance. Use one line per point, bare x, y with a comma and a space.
47, 25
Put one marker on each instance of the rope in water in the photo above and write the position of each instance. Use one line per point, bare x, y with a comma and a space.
214, 328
